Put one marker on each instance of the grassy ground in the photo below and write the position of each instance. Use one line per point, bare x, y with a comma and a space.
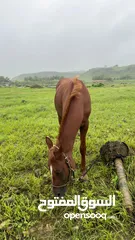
26, 117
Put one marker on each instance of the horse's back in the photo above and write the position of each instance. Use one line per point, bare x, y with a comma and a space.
64, 89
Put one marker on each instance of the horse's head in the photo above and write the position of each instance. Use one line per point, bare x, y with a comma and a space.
60, 168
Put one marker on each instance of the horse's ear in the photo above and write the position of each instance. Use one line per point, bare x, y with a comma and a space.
49, 142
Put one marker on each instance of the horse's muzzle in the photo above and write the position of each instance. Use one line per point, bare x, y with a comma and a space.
59, 192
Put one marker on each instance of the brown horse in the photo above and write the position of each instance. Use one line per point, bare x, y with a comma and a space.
73, 106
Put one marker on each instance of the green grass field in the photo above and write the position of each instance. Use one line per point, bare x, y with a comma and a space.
26, 117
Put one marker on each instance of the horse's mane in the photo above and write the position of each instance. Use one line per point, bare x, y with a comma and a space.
74, 93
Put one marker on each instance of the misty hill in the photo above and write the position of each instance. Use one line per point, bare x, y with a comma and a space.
47, 74
115, 72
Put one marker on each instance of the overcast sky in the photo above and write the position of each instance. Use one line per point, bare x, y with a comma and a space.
63, 35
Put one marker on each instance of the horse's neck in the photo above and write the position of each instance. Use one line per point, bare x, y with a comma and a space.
66, 142
71, 125
69, 132
67, 137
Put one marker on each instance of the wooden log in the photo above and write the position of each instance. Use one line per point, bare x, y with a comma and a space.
127, 201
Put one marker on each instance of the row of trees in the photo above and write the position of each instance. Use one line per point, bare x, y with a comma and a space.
102, 77
5, 81
35, 78
43, 81
30, 81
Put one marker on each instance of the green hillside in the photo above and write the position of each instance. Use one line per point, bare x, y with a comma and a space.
115, 72
50, 78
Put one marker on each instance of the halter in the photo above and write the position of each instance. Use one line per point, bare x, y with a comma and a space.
71, 170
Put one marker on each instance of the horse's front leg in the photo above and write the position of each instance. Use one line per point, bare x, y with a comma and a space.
59, 119
83, 132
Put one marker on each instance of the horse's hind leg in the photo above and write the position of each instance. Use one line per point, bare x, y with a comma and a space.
83, 132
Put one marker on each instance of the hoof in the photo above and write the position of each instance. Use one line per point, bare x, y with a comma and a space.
83, 179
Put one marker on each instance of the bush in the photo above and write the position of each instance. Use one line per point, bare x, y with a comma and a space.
36, 86
98, 85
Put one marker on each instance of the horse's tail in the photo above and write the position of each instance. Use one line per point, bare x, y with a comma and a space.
76, 88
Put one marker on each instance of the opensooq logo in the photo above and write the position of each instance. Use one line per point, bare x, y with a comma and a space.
82, 204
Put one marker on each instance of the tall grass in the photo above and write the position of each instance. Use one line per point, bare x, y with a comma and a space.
26, 117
